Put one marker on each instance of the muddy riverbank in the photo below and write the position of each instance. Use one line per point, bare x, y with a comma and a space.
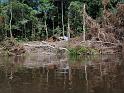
61, 47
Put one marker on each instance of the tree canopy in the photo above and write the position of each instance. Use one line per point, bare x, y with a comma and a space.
41, 19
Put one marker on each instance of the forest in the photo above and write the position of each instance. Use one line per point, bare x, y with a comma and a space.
70, 20
41, 19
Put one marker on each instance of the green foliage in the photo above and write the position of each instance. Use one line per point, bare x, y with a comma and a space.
81, 50
29, 24
22, 15
94, 8
112, 6
75, 16
57, 31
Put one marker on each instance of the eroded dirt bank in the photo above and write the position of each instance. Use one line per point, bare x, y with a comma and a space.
59, 47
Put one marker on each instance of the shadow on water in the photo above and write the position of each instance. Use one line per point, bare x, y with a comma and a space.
87, 74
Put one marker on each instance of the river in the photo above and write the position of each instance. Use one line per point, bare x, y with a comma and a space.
86, 74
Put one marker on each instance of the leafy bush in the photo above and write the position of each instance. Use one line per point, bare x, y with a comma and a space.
80, 50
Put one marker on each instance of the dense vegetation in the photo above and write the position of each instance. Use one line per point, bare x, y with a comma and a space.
41, 19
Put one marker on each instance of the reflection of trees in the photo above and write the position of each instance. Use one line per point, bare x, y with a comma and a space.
107, 76
102, 74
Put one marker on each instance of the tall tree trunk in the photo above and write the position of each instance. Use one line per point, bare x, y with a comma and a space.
68, 27
5, 21
58, 15
53, 26
24, 28
10, 22
84, 28
46, 25
62, 19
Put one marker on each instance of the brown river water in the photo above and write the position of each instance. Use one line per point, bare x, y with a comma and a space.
87, 74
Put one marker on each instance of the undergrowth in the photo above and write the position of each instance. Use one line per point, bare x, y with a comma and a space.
81, 50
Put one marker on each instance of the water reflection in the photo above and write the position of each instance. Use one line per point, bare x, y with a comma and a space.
87, 74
